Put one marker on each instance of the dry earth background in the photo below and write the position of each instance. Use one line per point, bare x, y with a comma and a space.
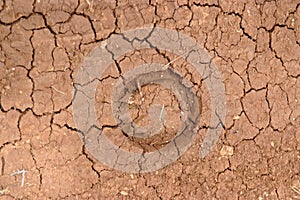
255, 45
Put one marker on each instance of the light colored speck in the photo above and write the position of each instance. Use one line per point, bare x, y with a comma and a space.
7, 87
272, 144
124, 193
266, 194
226, 151
236, 117
4, 191
130, 102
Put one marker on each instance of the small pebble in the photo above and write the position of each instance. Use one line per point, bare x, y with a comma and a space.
226, 151
236, 117
124, 193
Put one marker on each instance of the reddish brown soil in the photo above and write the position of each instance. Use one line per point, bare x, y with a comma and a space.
254, 44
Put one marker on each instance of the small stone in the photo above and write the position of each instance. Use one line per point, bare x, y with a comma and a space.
226, 151
130, 102
124, 193
236, 117
4, 191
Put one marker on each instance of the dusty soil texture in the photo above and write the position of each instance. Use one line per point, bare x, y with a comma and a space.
254, 44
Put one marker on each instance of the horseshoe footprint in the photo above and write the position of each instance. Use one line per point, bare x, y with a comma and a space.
99, 145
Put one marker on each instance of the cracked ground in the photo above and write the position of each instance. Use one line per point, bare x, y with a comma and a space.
254, 44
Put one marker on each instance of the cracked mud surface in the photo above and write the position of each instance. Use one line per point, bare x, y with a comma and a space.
254, 44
